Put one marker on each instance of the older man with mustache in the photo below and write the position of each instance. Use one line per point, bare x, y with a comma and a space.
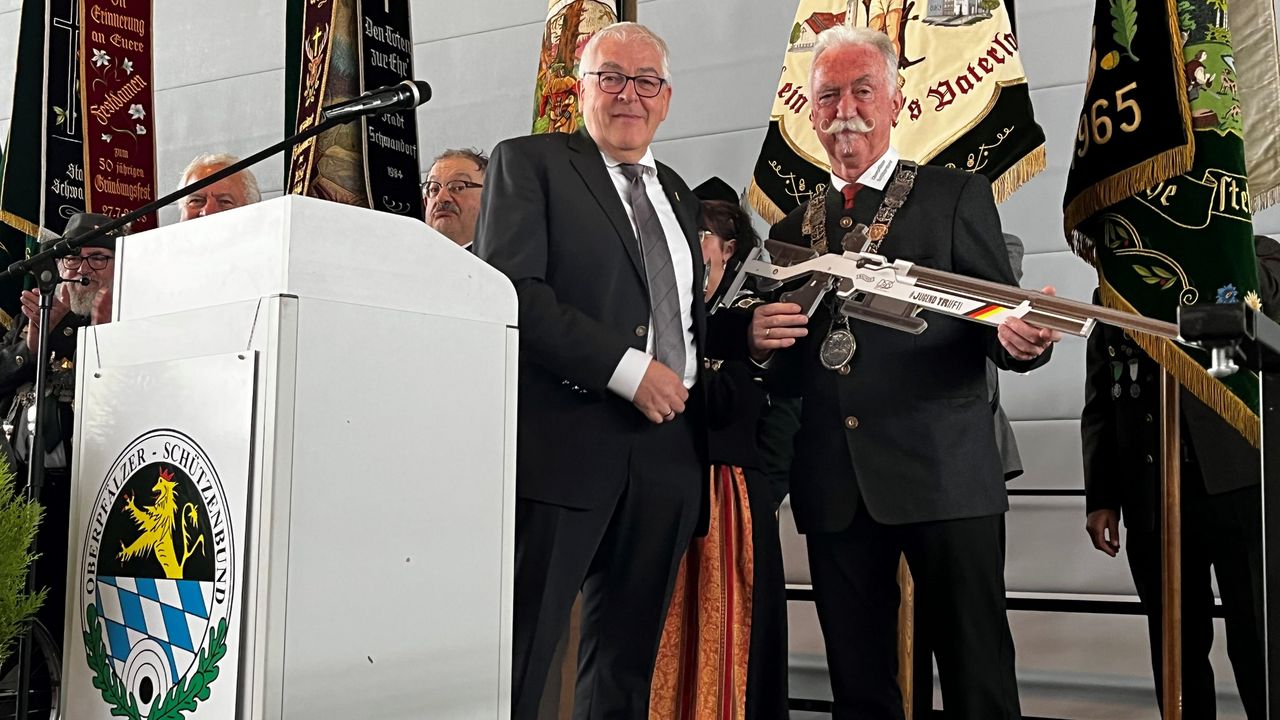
896, 452
451, 194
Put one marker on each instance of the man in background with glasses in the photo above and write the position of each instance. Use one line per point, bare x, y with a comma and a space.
83, 298
601, 243
451, 194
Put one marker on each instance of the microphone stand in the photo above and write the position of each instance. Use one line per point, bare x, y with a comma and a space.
48, 282
68, 246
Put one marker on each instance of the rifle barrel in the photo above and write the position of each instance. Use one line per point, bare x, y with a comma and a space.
937, 279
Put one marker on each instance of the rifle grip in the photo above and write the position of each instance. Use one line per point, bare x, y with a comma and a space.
810, 295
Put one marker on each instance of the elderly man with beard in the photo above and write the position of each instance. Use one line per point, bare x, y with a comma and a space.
896, 452
83, 299
451, 194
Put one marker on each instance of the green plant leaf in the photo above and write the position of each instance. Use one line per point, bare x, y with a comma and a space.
1124, 24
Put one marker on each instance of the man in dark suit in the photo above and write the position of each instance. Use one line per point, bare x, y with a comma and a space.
601, 244
896, 451
83, 299
1221, 506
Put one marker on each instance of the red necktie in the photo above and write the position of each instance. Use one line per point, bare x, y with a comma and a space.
849, 191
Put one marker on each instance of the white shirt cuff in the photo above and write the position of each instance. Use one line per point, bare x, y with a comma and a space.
627, 376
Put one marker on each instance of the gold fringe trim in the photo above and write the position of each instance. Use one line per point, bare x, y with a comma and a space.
19, 224
6, 320
1154, 170
763, 205
1032, 164
1083, 246
1188, 372
1264, 200
1127, 183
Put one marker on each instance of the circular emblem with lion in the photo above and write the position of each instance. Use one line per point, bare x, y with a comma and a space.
158, 584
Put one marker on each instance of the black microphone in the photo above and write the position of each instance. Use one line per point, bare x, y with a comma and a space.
401, 96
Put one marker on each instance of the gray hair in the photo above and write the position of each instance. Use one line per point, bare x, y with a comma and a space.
219, 161
626, 31
844, 36
476, 156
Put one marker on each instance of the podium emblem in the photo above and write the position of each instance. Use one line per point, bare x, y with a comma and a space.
158, 582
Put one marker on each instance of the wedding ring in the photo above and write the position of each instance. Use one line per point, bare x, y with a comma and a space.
669, 416
766, 331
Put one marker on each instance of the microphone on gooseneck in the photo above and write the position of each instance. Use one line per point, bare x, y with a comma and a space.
401, 96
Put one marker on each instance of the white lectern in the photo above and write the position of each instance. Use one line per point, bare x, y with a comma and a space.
293, 491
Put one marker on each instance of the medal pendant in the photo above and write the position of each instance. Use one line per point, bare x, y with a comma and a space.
837, 349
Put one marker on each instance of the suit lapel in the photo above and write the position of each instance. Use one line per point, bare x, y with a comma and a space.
590, 166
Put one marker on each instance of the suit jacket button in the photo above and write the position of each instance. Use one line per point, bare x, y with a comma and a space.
851, 422
18, 360
68, 331
1150, 460
846, 222
641, 331
1149, 418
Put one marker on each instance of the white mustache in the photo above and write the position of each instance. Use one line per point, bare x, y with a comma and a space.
853, 124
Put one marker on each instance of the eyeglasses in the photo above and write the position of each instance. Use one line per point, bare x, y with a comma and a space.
96, 261
647, 86
432, 188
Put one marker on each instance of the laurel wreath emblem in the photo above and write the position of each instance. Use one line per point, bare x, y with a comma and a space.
182, 697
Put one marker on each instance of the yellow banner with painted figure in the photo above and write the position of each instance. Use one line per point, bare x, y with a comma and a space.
961, 73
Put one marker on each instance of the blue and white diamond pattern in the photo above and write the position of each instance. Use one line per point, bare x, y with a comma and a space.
174, 613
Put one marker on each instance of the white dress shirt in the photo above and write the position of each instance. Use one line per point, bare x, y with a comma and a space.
630, 371
876, 176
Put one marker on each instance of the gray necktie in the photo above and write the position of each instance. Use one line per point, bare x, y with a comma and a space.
664, 300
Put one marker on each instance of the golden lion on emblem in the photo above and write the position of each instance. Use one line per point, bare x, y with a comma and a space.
156, 522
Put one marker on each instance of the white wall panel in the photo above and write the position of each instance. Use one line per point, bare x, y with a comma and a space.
482, 88
1053, 37
725, 62
1034, 213
240, 38
1049, 551
8, 53
1050, 452
437, 20
730, 156
239, 115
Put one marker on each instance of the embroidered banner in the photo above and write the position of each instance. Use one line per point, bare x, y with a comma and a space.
390, 139
349, 47
119, 142
1158, 196
967, 102
22, 173
569, 25
319, 17
1253, 37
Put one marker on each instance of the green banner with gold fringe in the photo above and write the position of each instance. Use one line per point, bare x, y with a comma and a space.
22, 176
1158, 196
967, 101
570, 23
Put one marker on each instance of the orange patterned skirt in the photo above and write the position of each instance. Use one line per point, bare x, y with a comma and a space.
701, 672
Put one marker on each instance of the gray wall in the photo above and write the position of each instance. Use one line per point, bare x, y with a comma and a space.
219, 87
